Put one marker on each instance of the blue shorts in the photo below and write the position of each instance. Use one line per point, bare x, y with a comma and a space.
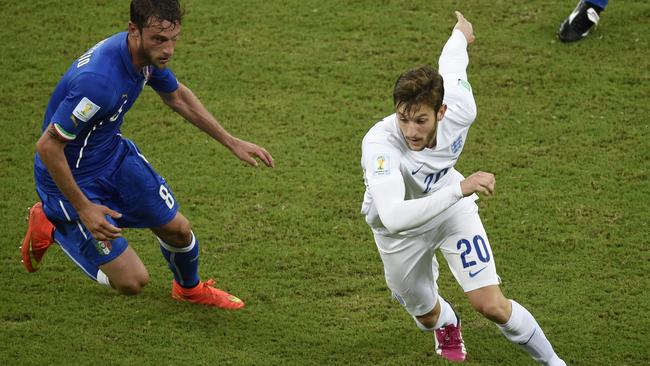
129, 186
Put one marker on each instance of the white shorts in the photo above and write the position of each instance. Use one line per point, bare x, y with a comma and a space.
411, 268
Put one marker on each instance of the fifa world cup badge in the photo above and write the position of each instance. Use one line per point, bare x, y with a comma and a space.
382, 164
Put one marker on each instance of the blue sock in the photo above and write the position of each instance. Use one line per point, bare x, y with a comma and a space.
183, 262
602, 4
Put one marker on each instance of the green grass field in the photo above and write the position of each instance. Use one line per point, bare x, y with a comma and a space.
563, 127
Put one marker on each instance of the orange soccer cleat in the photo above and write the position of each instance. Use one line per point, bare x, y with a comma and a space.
39, 237
205, 293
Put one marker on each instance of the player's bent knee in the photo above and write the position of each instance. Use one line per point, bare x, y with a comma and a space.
132, 286
176, 233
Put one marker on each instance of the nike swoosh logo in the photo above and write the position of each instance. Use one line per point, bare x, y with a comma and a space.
473, 274
414, 172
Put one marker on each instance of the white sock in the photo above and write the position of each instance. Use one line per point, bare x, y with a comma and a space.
447, 315
522, 329
102, 278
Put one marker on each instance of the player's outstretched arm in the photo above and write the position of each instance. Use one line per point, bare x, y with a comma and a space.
454, 58
185, 103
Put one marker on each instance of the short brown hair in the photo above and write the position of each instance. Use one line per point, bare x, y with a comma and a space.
422, 85
143, 12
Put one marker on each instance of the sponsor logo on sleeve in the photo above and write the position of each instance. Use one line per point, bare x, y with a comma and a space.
465, 84
382, 164
85, 110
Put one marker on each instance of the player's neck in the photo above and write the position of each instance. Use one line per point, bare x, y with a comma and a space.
137, 58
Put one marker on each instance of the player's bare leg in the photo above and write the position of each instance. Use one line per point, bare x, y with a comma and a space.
515, 322
490, 302
126, 273
176, 233
181, 250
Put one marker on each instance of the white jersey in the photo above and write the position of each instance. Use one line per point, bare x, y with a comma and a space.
385, 155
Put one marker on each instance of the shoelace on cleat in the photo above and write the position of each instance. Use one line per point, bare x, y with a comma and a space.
451, 339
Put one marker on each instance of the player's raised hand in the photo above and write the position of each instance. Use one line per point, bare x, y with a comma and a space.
478, 182
464, 26
247, 151
93, 217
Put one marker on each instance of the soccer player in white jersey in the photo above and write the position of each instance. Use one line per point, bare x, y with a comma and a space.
416, 202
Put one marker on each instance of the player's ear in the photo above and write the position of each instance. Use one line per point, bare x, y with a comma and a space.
441, 111
133, 30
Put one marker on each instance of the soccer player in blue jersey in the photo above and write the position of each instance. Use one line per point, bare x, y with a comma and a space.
93, 182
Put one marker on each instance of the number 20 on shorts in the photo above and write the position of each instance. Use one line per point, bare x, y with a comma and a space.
482, 252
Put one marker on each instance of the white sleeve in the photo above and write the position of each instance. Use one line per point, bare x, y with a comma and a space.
453, 69
386, 186
454, 58
399, 215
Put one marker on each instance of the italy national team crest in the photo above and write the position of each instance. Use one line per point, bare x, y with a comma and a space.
103, 247
382, 164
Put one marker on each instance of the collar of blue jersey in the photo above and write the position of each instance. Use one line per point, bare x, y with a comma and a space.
126, 57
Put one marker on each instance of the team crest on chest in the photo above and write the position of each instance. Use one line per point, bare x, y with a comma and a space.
457, 144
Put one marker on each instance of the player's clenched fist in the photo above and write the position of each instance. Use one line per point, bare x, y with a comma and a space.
478, 182
464, 26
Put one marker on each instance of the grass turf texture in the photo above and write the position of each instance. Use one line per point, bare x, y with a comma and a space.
563, 127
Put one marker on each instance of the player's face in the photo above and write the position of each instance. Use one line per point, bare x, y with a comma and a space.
157, 42
419, 125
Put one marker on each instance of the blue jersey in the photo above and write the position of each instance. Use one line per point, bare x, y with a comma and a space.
88, 105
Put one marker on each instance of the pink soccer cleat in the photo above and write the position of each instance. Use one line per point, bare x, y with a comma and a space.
449, 342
